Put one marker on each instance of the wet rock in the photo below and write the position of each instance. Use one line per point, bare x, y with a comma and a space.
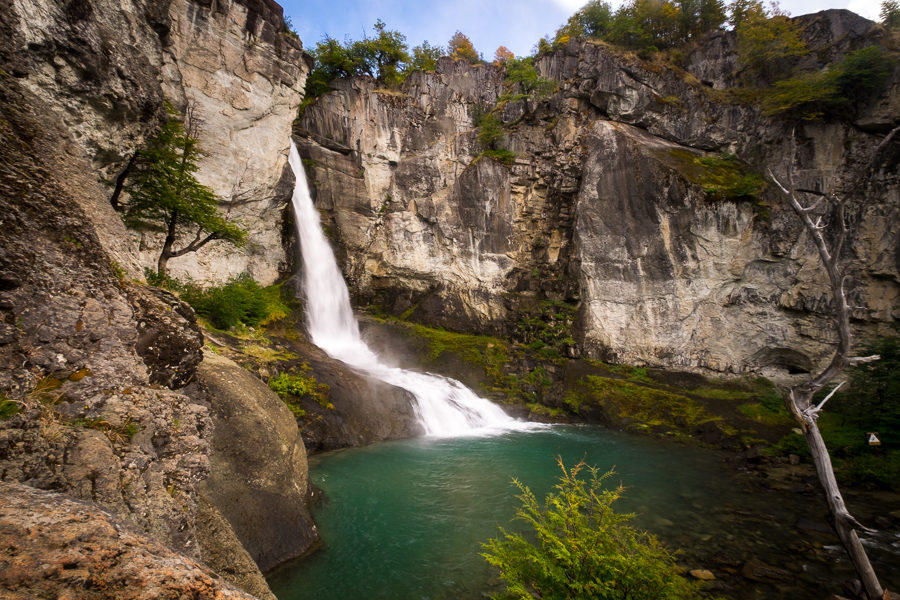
702, 574
56, 547
365, 410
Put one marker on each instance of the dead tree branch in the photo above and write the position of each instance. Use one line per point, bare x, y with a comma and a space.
800, 397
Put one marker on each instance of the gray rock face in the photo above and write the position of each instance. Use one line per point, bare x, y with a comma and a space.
364, 410
601, 206
232, 62
104, 69
258, 473
91, 425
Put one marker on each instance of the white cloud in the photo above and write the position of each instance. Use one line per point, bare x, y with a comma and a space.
869, 9
570, 5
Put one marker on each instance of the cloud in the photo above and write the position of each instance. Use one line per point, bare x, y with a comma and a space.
570, 5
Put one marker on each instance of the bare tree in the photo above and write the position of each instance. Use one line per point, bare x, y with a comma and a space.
800, 397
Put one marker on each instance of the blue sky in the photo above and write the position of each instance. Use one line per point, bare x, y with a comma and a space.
517, 25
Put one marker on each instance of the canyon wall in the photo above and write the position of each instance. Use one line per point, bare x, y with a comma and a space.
105, 71
93, 366
607, 204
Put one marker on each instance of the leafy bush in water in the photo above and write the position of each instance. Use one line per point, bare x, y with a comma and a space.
579, 548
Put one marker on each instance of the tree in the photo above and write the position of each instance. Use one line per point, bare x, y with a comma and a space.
890, 13
425, 56
579, 548
502, 55
712, 15
800, 397
740, 10
164, 195
461, 48
769, 46
381, 57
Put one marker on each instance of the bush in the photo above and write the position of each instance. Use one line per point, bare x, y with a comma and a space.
579, 548
521, 72
833, 92
490, 130
241, 301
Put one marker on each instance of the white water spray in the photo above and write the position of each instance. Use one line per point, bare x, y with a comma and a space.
444, 406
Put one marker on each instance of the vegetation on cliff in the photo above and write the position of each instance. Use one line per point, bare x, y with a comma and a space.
163, 194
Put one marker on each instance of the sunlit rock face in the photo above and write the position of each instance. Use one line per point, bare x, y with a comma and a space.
105, 71
233, 64
604, 205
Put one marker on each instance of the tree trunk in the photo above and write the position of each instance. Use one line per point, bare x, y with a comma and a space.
841, 519
166, 253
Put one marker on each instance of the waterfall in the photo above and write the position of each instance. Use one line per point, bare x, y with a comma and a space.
444, 406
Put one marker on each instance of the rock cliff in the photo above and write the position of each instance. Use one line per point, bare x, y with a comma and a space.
607, 204
104, 70
92, 366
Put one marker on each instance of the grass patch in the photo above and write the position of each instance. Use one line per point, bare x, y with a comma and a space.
723, 177
116, 433
267, 354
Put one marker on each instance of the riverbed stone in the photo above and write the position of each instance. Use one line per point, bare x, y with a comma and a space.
756, 570
702, 574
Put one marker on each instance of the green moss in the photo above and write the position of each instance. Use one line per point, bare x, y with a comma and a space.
723, 177
647, 407
762, 414
8, 407
544, 411
488, 352
295, 387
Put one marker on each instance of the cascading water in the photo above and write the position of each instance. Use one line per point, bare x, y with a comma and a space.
444, 406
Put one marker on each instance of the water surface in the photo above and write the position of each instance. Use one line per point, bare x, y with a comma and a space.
406, 520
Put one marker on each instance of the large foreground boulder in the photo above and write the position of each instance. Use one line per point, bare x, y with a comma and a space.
58, 547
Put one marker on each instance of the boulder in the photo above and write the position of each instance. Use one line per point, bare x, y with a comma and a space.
258, 477
57, 547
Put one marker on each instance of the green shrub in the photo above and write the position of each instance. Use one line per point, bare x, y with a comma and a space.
241, 301
521, 72
293, 388
490, 130
832, 92
505, 157
579, 548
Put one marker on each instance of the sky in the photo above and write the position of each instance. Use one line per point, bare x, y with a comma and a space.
517, 25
